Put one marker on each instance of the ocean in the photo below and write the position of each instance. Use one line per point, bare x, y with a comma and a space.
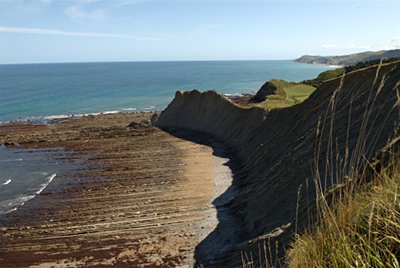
42, 92
46, 91
25, 173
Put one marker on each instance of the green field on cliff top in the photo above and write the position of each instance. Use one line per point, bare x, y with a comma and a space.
286, 94
290, 93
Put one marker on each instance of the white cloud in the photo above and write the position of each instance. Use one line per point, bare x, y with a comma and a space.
10, 7
77, 13
22, 30
95, 9
344, 46
394, 43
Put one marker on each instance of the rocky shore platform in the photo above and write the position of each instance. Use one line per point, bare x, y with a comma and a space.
141, 198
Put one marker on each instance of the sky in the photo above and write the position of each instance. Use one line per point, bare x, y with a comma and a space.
43, 31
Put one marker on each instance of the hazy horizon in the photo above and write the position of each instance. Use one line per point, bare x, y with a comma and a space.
149, 61
59, 31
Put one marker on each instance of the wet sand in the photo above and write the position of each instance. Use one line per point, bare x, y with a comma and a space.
142, 198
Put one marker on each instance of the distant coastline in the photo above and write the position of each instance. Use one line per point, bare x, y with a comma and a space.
323, 64
344, 60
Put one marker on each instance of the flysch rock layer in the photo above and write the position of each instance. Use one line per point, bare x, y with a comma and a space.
342, 125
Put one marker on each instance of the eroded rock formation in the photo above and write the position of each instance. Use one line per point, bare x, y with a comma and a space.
344, 123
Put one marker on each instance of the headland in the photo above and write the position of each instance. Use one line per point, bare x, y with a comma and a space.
141, 202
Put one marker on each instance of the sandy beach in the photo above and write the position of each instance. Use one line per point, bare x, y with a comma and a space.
142, 198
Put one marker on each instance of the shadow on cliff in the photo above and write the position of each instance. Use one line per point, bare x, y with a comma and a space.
212, 250
340, 129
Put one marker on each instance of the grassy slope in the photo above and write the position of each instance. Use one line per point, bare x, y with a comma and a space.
278, 148
362, 230
287, 94
362, 226
290, 93
329, 74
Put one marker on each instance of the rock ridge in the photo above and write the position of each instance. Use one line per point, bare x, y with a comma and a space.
346, 119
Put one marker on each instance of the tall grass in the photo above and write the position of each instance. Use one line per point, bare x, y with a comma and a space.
355, 219
357, 205
361, 230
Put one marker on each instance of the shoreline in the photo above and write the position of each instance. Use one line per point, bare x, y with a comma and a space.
52, 119
321, 64
136, 202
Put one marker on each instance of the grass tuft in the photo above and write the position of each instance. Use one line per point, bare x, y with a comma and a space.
355, 220
362, 230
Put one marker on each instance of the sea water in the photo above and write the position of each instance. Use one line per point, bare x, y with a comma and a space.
26, 173
46, 91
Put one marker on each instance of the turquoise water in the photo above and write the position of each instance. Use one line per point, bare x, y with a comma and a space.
44, 91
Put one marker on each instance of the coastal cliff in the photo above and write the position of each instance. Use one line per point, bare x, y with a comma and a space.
350, 59
340, 128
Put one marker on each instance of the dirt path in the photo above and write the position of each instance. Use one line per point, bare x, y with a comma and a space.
143, 200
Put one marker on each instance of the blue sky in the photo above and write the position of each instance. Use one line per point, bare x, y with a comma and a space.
150, 30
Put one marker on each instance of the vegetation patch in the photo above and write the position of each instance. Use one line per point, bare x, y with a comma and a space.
361, 230
335, 73
322, 77
286, 94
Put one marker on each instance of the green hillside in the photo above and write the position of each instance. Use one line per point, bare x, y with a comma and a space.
351, 59
278, 93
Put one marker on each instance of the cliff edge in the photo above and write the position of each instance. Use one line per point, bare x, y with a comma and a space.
282, 151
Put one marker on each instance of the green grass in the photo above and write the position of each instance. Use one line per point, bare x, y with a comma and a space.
358, 219
322, 77
362, 230
299, 91
286, 94
331, 74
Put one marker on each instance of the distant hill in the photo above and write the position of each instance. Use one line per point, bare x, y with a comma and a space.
350, 59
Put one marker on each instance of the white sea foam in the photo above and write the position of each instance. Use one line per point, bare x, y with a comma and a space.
91, 114
11, 160
237, 94
128, 109
12, 204
40, 173
8, 211
335, 66
44, 185
111, 112
58, 116
46, 118
149, 108
7, 182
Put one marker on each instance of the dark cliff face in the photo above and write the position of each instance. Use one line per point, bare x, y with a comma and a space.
267, 89
343, 123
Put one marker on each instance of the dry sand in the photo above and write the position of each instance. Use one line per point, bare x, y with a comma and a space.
142, 200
